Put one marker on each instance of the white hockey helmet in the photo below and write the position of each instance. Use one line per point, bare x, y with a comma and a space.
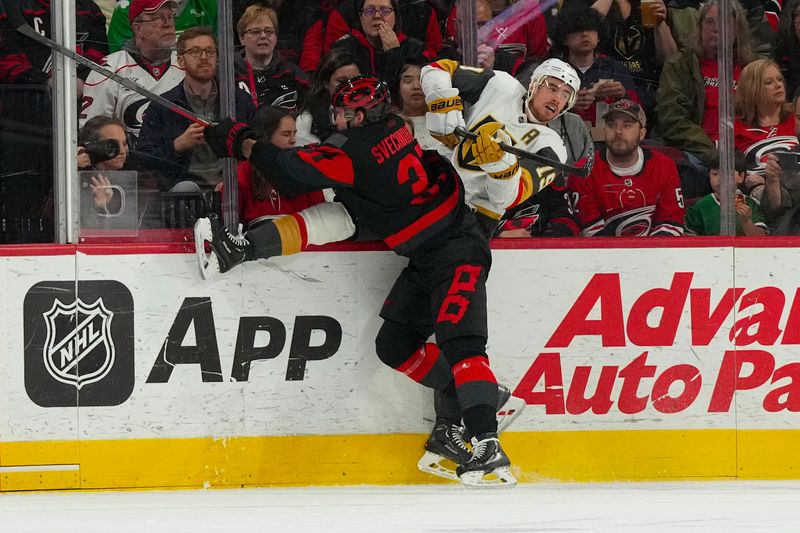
554, 68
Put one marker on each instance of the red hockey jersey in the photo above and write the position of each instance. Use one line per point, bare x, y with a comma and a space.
647, 203
755, 142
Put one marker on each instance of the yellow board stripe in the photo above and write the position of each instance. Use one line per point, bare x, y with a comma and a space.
576, 456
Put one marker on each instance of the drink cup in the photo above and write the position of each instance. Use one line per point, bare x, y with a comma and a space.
649, 19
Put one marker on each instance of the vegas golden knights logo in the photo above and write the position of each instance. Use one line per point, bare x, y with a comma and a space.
465, 152
629, 42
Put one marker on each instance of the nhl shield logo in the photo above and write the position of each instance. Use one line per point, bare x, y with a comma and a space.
78, 349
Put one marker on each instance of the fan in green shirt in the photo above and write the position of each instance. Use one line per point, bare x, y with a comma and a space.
703, 217
190, 13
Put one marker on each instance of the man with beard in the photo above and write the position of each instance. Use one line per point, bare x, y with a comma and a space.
175, 145
631, 191
147, 58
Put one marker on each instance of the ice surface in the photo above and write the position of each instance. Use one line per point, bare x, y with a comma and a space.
692, 506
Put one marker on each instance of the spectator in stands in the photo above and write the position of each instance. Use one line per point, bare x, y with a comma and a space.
302, 24
148, 58
175, 145
314, 122
762, 124
631, 190
25, 61
787, 46
378, 43
781, 199
703, 218
189, 13
485, 54
603, 79
421, 18
95, 142
525, 43
258, 199
688, 104
93, 133
260, 70
641, 50
412, 106
682, 18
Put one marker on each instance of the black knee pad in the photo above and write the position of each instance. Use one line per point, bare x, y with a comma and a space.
460, 348
396, 342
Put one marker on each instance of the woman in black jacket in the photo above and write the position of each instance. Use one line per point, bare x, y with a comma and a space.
378, 43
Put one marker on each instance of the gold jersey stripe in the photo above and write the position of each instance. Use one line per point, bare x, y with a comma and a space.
291, 237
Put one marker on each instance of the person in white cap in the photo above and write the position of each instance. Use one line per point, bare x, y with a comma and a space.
149, 58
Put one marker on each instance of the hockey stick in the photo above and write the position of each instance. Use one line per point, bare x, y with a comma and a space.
21, 26
558, 165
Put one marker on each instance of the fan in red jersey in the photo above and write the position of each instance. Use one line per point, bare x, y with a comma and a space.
631, 191
762, 123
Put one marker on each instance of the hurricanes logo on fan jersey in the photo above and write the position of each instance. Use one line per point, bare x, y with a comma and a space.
756, 153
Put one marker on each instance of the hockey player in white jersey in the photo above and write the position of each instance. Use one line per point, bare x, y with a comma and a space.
148, 59
500, 107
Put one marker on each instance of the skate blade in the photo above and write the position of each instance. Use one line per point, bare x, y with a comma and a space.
437, 465
206, 262
509, 412
499, 478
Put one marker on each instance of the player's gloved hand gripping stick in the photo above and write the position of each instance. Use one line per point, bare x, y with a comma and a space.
16, 19
581, 171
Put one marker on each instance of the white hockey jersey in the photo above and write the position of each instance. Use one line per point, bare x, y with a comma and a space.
103, 96
495, 96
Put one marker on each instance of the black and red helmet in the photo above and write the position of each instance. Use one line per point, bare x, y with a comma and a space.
366, 93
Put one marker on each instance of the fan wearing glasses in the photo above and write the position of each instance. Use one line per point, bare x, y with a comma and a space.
259, 68
188, 13
174, 145
424, 20
147, 58
378, 43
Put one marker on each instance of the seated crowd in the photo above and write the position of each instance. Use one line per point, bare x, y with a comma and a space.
645, 115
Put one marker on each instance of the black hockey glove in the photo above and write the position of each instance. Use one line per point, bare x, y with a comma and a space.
226, 138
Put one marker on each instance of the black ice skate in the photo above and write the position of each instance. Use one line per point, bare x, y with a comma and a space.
508, 409
444, 450
488, 466
227, 250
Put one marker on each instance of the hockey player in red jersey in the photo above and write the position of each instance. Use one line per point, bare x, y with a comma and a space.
414, 202
631, 191
498, 100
